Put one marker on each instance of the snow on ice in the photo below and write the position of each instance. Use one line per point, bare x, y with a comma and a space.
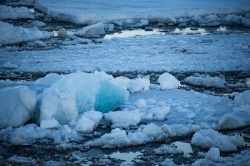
123, 119
14, 34
206, 139
88, 121
95, 30
205, 80
120, 138
240, 114
168, 149
138, 85
7, 12
168, 81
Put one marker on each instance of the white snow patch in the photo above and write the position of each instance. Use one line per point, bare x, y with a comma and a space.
206, 139
123, 119
8, 12
138, 85
239, 159
178, 130
205, 80
156, 113
14, 34
141, 103
95, 30
88, 121
230, 121
49, 123
168, 81
168, 149
120, 138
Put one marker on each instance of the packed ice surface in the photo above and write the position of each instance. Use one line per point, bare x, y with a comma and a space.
8, 12
76, 93
222, 52
168, 81
14, 34
206, 139
17, 106
81, 12
205, 80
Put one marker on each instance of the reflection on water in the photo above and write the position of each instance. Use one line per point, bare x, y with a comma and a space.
132, 33
128, 157
185, 147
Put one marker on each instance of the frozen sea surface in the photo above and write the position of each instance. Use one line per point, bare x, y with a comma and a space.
173, 53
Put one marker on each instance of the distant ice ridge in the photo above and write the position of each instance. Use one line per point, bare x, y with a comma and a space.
7, 12
14, 34
79, 12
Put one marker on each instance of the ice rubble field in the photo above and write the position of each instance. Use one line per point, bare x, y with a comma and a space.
66, 108
63, 108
